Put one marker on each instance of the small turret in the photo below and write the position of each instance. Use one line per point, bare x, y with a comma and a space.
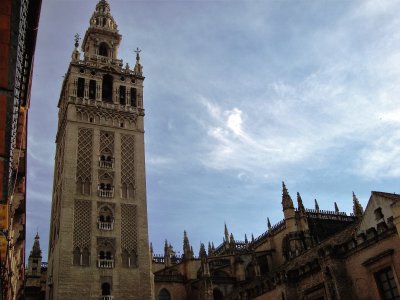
167, 254
269, 225
357, 208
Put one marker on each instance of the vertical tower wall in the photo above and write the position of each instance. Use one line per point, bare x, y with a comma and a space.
98, 246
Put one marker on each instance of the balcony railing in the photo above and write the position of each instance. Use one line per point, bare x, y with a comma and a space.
107, 298
106, 164
106, 225
105, 193
105, 263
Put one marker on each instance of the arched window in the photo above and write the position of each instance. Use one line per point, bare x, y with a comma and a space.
164, 295
217, 294
85, 257
105, 289
92, 89
77, 256
80, 90
133, 97
125, 259
107, 88
103, 49
122, 95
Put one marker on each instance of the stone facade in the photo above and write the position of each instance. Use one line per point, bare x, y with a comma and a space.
310, 254
98, 246
18, 30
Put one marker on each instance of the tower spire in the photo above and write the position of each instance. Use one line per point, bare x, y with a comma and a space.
286, 199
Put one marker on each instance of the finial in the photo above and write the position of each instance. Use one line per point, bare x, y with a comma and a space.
252, 237
336, 208
269, 224
226, 234
77, 38
202, 252
300, 205
286, 199
316, 204
357, 208
137, 51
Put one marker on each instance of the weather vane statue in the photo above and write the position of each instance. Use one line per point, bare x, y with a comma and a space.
137, 51
77, 38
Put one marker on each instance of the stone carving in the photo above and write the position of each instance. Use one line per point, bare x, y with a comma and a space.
82, 213
128, 227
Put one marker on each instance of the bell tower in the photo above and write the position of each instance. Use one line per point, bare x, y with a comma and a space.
98, 245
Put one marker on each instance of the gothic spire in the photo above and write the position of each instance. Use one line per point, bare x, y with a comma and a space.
357, 208
300, 205
269, 224
316, 205
245, 239
187, 249
336, 208
202, 252
286, 199
226, 234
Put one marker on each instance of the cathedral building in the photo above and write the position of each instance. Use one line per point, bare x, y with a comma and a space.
98, 247
311, 254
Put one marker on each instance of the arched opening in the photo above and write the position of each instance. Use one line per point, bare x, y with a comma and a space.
164, 295
125, 259
77, 256
122, 95
85, 257
217, 294
103, 49
80, 89
92, 89
107, 88
105, 289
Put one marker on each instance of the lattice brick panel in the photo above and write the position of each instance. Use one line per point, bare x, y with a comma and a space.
85, 149
127, 159
82, 216
106, 141
128, 227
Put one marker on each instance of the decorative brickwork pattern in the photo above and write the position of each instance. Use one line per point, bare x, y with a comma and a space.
106, 142
127, 159
82, 228
128, 227
85, 150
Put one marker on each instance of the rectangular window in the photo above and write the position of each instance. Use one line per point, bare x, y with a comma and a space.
133, 97
80, 91
92, 89
387, 284
122, 95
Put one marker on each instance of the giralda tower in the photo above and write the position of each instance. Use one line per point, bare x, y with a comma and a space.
98, 246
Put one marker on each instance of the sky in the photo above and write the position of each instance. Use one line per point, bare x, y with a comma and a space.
239, 96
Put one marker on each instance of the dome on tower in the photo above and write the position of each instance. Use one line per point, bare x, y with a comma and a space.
102, 17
